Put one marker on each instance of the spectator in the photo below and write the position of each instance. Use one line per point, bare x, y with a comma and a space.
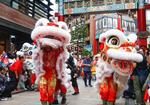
73, 68
10, 83
2, 82
139, 76
17, 67
94, 63
87, 70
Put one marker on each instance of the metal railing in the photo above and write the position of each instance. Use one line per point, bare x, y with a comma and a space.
32, 8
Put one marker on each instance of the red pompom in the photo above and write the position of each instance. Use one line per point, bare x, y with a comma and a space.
101, 47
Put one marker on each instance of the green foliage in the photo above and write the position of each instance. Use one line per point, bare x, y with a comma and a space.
79, 32
86, 52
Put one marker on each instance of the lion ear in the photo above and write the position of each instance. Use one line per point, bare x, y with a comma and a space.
63, 25
102, 38
41, 22
132, 38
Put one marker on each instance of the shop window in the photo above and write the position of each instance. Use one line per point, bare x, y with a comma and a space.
87, 3
71, 5
79, 4
101, 21
104, 22
95, 2
66, 5
101, 2
118, 1
109, 22
109, 1
127, 1
100, 24
115, 23
128, 26
97, 25
132, 27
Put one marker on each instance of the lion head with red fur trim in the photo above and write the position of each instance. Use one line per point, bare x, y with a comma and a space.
51, 39
120, 50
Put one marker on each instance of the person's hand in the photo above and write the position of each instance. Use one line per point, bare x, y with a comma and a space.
75, 75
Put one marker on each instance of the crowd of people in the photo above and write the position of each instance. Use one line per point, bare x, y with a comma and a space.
139, 82
13, 75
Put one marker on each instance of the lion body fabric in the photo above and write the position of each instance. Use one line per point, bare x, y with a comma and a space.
116, 62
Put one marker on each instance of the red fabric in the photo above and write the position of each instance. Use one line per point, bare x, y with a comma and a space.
33, 78
17, 67
108, 90
48, 81
4, 59
60, 87
47, 88
146, 95
76, 89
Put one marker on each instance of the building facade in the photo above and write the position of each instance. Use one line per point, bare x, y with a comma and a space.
90, 9
17, 19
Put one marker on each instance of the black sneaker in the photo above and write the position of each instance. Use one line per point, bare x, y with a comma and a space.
63, 101
86, 85
75, 93
55, 102
90, 85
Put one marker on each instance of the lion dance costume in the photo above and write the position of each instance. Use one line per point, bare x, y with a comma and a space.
49, 57
116, 62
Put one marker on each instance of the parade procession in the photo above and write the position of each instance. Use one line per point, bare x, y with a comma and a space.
75, 52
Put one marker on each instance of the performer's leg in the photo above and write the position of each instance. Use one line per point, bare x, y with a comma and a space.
63, 92
85, 78
57, 88
51, 89
110, 103
44, 102
90, 78
104, 102
137, 89
75, 86
43, 91
56, 98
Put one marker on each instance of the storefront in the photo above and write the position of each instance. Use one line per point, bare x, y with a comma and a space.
14, 23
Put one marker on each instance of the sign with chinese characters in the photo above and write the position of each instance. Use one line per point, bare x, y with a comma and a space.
112, 7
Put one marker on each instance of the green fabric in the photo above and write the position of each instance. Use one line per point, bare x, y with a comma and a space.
145, 84
110, 103
104, 102
138, 91
129, 102
44, 102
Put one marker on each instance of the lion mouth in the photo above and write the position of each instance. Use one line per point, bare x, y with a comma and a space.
122, 67
54, 37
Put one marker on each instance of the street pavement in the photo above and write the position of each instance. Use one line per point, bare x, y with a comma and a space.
87, 96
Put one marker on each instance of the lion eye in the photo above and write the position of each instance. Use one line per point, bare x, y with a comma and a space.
113, 40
